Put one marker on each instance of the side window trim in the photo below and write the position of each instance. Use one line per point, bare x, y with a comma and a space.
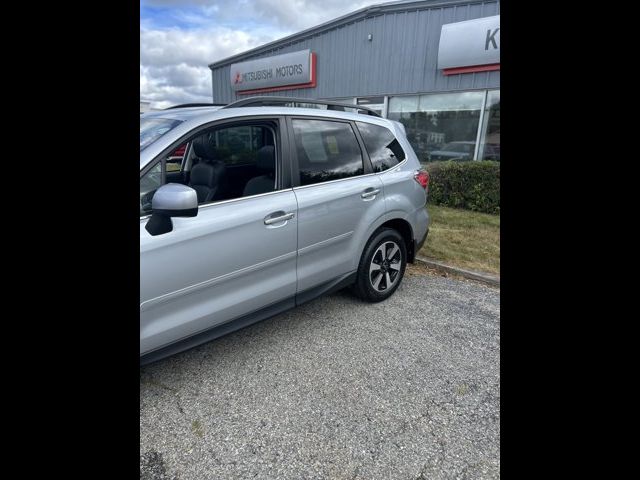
368, 165
293, 151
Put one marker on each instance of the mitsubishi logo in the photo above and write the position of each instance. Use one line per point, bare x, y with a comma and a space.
238, 78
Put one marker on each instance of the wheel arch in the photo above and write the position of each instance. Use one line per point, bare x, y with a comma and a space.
403, 228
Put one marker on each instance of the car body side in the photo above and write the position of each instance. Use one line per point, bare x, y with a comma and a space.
270, 276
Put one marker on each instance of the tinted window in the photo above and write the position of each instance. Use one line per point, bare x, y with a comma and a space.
240, 145
326, 151
384, 150
226, 163
245, 156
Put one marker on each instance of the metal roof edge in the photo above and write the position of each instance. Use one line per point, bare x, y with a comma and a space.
365, 12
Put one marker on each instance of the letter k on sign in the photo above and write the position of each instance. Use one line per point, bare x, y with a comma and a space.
491, 38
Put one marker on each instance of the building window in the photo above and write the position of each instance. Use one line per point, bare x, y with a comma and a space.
490, 144
342, 100
374, 103
306, 105
440, 126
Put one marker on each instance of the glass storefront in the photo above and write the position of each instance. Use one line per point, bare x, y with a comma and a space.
490, 143
374, 103
458, 126
440, 126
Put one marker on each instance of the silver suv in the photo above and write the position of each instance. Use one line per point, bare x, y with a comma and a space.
250, 209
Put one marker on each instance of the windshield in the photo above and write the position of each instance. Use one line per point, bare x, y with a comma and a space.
152, 129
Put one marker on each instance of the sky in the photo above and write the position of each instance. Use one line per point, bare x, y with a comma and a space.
180, 38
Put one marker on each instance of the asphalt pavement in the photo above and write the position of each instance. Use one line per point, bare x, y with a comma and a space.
336, 389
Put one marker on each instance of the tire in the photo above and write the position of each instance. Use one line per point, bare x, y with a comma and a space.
369, 285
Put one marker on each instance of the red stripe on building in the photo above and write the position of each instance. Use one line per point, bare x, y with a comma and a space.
471, 69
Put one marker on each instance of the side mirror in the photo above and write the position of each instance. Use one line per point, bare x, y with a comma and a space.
171, 200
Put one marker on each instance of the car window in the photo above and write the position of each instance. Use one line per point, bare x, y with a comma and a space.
151, 129
223, 163
149, 183
174, 160
326, 150
239, 145
383, 147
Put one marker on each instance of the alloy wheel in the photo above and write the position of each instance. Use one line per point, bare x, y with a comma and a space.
385, 266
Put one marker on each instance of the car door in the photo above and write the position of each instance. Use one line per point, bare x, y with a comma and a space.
234, 259
338, 197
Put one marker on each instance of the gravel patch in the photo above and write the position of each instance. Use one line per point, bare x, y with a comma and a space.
336, 389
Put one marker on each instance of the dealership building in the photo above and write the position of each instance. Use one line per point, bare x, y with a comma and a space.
433, 65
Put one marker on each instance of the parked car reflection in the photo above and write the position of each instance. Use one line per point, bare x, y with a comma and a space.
459, 151
492, 152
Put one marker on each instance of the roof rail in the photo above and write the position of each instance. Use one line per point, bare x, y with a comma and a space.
282, 101
185, 105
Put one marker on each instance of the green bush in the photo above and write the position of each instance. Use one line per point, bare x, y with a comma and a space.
473, 185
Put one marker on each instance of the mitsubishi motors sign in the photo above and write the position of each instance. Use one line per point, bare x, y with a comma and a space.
280, 72
470, 46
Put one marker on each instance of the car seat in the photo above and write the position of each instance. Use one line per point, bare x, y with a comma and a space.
265, 164
208, 176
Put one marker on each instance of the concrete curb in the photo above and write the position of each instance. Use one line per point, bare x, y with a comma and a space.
492, 280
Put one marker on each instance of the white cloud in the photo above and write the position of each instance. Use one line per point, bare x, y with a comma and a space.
303, 14
290, 15
192, 47
174, 63
174, 60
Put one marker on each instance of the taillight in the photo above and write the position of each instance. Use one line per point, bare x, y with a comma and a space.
422, 177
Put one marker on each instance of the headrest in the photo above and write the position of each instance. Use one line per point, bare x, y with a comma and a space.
204, 147
266, 161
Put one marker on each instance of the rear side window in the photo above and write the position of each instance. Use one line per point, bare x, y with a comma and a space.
383, 148
326, 150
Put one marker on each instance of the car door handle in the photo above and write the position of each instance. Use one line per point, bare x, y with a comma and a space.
279, 217
370, 192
